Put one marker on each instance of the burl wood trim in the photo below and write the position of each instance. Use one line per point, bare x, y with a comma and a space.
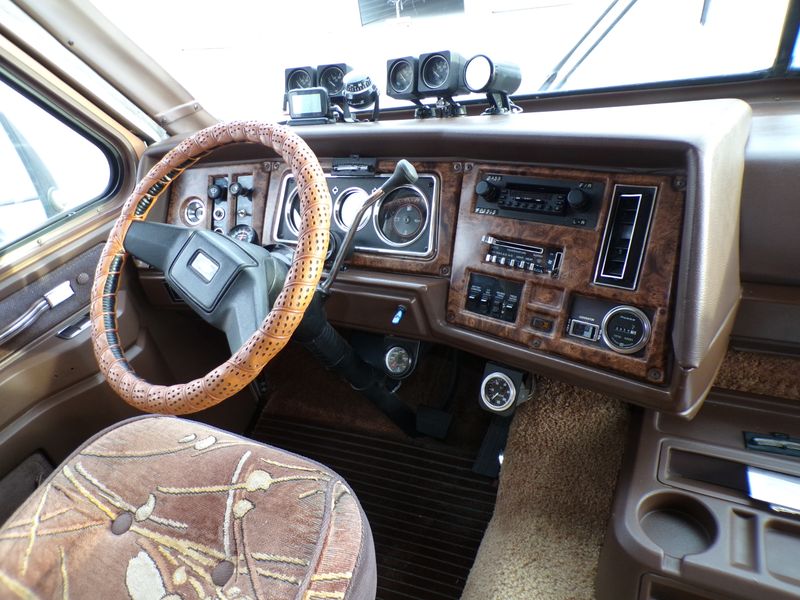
280, 323
449, 176
552, 298
194, 183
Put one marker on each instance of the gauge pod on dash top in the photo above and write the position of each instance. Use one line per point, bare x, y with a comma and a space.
331, 77
401, 78
441, 74
300, 78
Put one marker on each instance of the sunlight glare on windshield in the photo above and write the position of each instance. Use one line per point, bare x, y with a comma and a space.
231, 56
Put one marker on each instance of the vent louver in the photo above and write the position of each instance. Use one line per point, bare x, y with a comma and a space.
625, 236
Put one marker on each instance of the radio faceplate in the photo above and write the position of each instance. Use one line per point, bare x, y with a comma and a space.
555, 201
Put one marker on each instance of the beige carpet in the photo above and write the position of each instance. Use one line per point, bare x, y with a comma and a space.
553, 505
765, 374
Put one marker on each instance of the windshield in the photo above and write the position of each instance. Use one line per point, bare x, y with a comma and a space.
232, 55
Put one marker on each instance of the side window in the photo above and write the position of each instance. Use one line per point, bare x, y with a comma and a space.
48, 169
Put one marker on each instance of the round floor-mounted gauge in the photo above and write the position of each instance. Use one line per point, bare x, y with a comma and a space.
398, 361
625, 329
498, 392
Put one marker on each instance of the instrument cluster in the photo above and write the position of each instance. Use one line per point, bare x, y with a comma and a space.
403, 223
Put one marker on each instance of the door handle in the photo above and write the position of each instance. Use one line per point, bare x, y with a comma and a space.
60, 293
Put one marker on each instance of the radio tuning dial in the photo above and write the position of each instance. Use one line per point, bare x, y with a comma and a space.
487, 191
577, 199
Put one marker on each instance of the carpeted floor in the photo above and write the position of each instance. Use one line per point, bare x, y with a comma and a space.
560, 469
764, 374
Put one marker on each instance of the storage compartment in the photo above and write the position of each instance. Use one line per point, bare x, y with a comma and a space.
684, 525
782, 545
661, 588
679, 524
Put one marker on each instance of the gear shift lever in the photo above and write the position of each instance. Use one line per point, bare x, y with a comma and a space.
404, 174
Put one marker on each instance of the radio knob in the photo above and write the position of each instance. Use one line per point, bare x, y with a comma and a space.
487, 191
577, 199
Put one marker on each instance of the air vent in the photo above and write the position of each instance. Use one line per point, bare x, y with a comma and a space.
625, 236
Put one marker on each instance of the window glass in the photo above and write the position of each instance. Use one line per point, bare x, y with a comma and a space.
48, 169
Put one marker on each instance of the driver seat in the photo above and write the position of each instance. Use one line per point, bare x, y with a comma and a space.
159, 508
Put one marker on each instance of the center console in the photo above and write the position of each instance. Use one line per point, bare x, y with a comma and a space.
687, 523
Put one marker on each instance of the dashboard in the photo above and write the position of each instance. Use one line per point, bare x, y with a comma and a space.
595, 264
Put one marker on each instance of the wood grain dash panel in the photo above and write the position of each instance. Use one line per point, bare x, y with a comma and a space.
194, 182
544, 296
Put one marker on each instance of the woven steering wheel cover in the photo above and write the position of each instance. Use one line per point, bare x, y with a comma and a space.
274, 333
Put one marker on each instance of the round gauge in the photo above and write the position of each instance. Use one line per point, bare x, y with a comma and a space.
299, 79
331, 79
397, 361
401, 76
498, 392
435, 71
478, 73
293, 214
195, 211
347, 206
244, 233
402, 216
407, 221
626, 329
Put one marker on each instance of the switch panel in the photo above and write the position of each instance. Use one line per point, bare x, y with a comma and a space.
523, 257
493, 297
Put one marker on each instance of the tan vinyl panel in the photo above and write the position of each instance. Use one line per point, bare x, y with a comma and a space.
87, 33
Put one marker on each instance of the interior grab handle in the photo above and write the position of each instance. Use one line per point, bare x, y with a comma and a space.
60, 293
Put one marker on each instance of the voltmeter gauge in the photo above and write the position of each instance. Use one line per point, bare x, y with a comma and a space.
244, 233
498, 392
398, 361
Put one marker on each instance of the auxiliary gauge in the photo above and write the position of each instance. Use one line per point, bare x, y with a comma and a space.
244, 233
498, 392
626, 329
398, 361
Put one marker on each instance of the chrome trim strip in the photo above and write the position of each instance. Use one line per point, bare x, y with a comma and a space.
606, 238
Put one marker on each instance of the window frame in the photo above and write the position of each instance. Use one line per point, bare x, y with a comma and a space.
94, 136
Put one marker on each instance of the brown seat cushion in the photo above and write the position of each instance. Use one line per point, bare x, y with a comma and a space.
160, 508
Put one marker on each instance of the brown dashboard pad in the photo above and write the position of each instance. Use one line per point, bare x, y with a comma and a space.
280, 323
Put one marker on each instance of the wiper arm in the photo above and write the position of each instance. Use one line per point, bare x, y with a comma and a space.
616, 18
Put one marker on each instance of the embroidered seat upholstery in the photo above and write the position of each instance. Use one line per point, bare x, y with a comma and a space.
160, 508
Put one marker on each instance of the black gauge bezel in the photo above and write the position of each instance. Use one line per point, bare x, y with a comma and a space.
292, 71
424, 71
323, 70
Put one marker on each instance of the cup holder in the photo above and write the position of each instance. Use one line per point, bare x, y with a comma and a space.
678, 524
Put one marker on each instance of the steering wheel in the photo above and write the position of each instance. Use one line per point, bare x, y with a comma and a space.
227, 282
